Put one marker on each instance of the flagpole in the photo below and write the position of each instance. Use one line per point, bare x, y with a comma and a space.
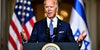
23, 14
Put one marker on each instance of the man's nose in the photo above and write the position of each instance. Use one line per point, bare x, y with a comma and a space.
49, 9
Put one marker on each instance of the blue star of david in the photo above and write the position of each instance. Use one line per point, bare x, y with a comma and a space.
77, 33
86, 43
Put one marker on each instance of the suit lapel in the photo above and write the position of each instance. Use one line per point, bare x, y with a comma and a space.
45, 27
45, 23
58, 28
59, 24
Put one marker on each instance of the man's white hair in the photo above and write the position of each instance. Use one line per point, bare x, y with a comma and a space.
55, 2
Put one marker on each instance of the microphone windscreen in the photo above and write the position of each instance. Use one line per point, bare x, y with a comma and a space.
55, 31
47, 31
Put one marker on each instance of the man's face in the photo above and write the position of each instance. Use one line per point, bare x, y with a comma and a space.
50, 8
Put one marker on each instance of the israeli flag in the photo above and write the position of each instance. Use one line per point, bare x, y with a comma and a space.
78, 24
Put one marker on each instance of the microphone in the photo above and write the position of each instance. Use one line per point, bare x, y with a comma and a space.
48, 34
47, 31
54, 32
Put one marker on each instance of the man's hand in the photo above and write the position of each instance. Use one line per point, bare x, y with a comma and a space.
81, 37
23, 35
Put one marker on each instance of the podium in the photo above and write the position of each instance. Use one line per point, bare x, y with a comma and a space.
40, 46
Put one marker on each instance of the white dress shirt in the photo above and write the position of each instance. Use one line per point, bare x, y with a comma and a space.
54, 22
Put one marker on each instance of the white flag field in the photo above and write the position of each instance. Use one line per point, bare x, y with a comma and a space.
78, 24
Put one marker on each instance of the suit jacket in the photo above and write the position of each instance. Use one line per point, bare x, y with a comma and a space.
40, 33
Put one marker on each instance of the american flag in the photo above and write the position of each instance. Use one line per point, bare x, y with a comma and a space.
78, 24
22, 18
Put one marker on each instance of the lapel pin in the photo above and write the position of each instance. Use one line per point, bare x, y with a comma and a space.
59, 23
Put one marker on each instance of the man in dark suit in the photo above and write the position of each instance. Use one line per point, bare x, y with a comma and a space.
52, 29
40, 32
